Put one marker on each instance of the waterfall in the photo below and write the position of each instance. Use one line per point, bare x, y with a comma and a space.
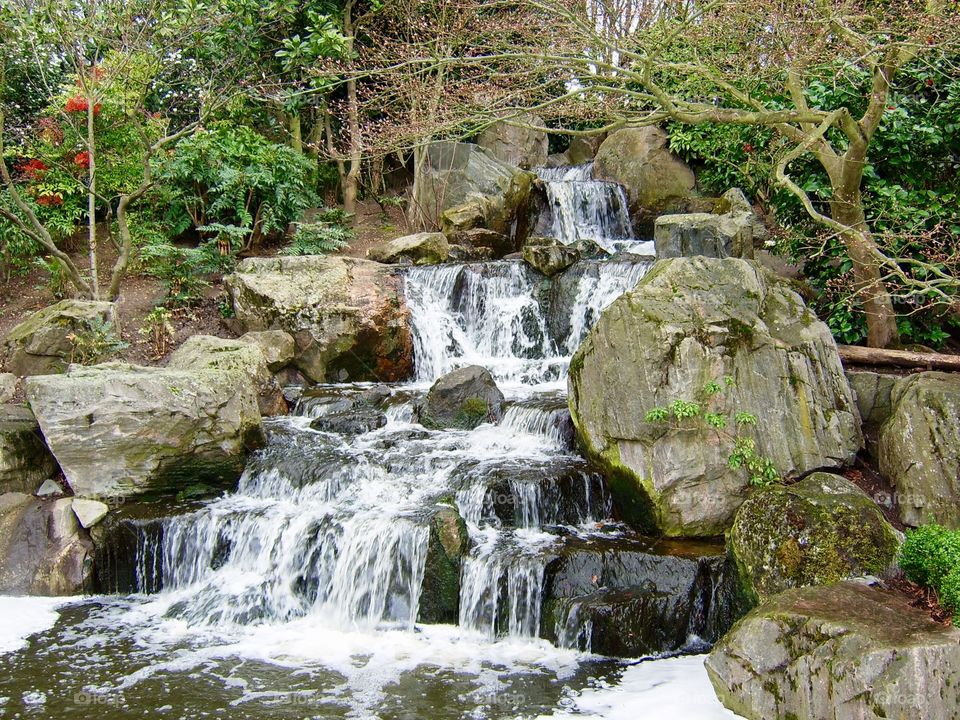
584, 209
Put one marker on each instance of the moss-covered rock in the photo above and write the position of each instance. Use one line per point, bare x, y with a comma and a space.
347, 316
688, 322
447, 545
428, 248
838, 652
120, 430
463, 399
45, 342
820, 530
549, 256
732, 232
919, 448
206, 352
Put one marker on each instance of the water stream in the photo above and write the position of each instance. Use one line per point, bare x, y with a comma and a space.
300, 593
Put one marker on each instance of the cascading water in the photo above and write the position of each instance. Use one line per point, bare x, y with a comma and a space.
584, 209
319, 559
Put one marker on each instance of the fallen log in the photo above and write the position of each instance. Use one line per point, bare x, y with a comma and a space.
855, 355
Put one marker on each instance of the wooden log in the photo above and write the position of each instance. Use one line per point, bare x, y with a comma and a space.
856, 355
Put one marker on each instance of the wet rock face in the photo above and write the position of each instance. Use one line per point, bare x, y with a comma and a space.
350, 422
516, 144
917, 448
837, 652
120, 430
818, 531
43, 343
463, 399
347, 316
25, 461
428, 248
43, 548
549, 256
688, 322
629, 597
447, 546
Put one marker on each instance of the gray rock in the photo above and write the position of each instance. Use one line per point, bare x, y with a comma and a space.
463, 399
688, 322
206, 352
89, 512
873, 392
43, 549
347, 316
463, 186
25, 460
549, 256
42, 344
482, 244
515, 142
120, 430
8, 387
838, 652
350, 422
277, 346
732, 233
49, 488
583, 149
426, 248
639, 159
917, 448
820, 530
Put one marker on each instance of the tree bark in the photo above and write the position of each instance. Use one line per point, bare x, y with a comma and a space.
351, 182
856, 355
92, 197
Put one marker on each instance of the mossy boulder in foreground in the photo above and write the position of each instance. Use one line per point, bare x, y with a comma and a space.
821, 530
838, 652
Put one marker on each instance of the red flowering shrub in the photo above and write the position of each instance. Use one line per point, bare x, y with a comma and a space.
50, 200
82, 159
33, 169
78, 103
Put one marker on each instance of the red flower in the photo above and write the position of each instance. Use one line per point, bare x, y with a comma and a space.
33, 169
50, 200
78, 103
747, 148
929, 82
82, 159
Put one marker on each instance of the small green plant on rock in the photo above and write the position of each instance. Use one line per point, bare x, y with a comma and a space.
743, 453
94, 343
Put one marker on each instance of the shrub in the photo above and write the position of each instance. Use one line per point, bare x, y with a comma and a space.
328, 233
232, 176
930, 556
95, 343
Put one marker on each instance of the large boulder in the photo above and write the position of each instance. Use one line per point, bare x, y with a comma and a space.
821, 530
463, 399
462, 186
278, 347
549, 256
120, 430
838, 652
639, 159
690, 322
918, 448
43, 548
9, 383
347, 316
730, 233
46, 342
25, 461
426, 248
207, 352
517, 141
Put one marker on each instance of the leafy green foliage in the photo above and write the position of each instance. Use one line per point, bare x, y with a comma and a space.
158, 328
95, 343
682, 413
328, 233
930, 555
231, 176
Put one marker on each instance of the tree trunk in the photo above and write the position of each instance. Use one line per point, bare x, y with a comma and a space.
351, 182
846, 207
92, 198
296, 135
855, 355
